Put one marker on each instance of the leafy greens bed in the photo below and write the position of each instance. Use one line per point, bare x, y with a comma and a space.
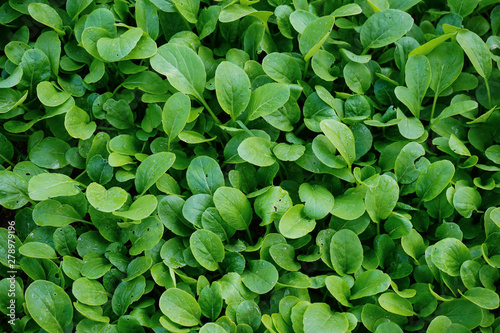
252, 166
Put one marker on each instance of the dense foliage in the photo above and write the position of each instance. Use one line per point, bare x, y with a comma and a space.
250, 166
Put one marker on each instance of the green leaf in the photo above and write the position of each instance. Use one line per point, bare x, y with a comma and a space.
234, 207
126, 293
151, 169
493, 153
410, 128
204, 175
461, 311
434, 179
260, 276
357, 77
180, 307
370, 283
49, 306
13, 79
321, 63
462, 7
212, 328
65, 240
49, 96
346, 252
106, 200
36, 68
46, 15
38, 250
339, 289
341, 137
449, 254
13, 190
78, 124
318, 317
50, 185
256, 151
232, 87
118, 113
396, 304
476, 50
182, 67
54, 214
146, 81
446, 61
90, 292
385, 27
455, 109
318, 200
284, 256
314, 35
266, 99
281, 68
271, 205
466, 200
75, 7
139, 209
349, 206
382, 199
188, 9
404, 168
285, 152
485, 298
295, 223
175, 115
207, 249
50, 153
211, 301
115, 49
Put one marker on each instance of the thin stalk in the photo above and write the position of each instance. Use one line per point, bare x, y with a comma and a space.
301, 127
487, 85
116, 89
433, 107
205, 104
244, 128
82, 185
282, 166
249, 236
8, 161
29, 199
306, 67
80, 175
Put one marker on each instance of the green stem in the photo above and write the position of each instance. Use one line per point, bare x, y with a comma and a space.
282, 166
433, 107
249, 236
8, 161
378, 228
301, 127
81, 174
82, 185
245, 128
487, 85
202, 101
29, 199
116, 89
306, 67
